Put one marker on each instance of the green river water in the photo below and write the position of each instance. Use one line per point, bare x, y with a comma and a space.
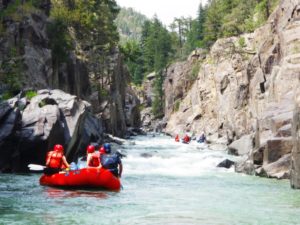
179, 184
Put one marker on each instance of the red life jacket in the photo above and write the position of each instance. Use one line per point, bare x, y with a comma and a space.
55, 159
95, 160
102, 150
186, 139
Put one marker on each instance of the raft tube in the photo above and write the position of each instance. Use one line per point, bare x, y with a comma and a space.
83, 178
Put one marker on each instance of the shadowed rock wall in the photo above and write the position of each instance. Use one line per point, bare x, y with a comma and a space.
30, 128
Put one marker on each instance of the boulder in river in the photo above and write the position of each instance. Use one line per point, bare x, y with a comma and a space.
279, 169
226, 164
9, 118
146, 155
241, 146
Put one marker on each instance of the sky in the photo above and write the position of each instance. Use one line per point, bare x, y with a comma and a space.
166, 10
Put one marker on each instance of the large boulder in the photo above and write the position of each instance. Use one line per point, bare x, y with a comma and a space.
277, 148
279, 169
242, 146
51, 117
245, 166
89, 129
9, 118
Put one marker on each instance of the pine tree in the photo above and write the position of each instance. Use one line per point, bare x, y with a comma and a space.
196, 34
163, 48
158, 103
133, 59
213, 22
200, 22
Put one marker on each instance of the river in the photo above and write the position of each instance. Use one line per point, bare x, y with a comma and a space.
174, 184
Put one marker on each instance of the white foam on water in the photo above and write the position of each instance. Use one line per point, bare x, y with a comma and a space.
164, 156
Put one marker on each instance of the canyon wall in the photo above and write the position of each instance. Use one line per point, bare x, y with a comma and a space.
26, 55
27, 62
242, 93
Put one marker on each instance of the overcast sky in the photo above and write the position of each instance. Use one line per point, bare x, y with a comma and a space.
165, 10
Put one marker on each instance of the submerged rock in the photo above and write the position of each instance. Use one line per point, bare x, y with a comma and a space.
146, 155
277, 148
226, 164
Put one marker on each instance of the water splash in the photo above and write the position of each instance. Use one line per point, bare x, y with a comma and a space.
163, 156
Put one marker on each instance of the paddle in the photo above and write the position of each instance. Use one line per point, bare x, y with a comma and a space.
35, 167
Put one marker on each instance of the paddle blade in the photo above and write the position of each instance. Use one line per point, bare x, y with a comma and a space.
35, 167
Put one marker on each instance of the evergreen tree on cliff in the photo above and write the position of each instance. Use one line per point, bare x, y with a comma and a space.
133, 59
152, 54
160, 42
213, 23
91, 23
196, 35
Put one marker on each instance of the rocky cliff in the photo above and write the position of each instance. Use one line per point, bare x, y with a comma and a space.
295, 168
243, 91
118, 107
27, 62
27, 55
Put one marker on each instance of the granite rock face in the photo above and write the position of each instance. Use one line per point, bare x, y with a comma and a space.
242, 91
295, 167
146, 96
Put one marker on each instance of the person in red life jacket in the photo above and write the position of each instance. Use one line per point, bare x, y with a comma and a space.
186, 139
93, 158
56, 161
102, 150
177, 138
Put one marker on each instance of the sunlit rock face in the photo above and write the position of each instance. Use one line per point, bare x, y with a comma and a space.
244, 86
295, 168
